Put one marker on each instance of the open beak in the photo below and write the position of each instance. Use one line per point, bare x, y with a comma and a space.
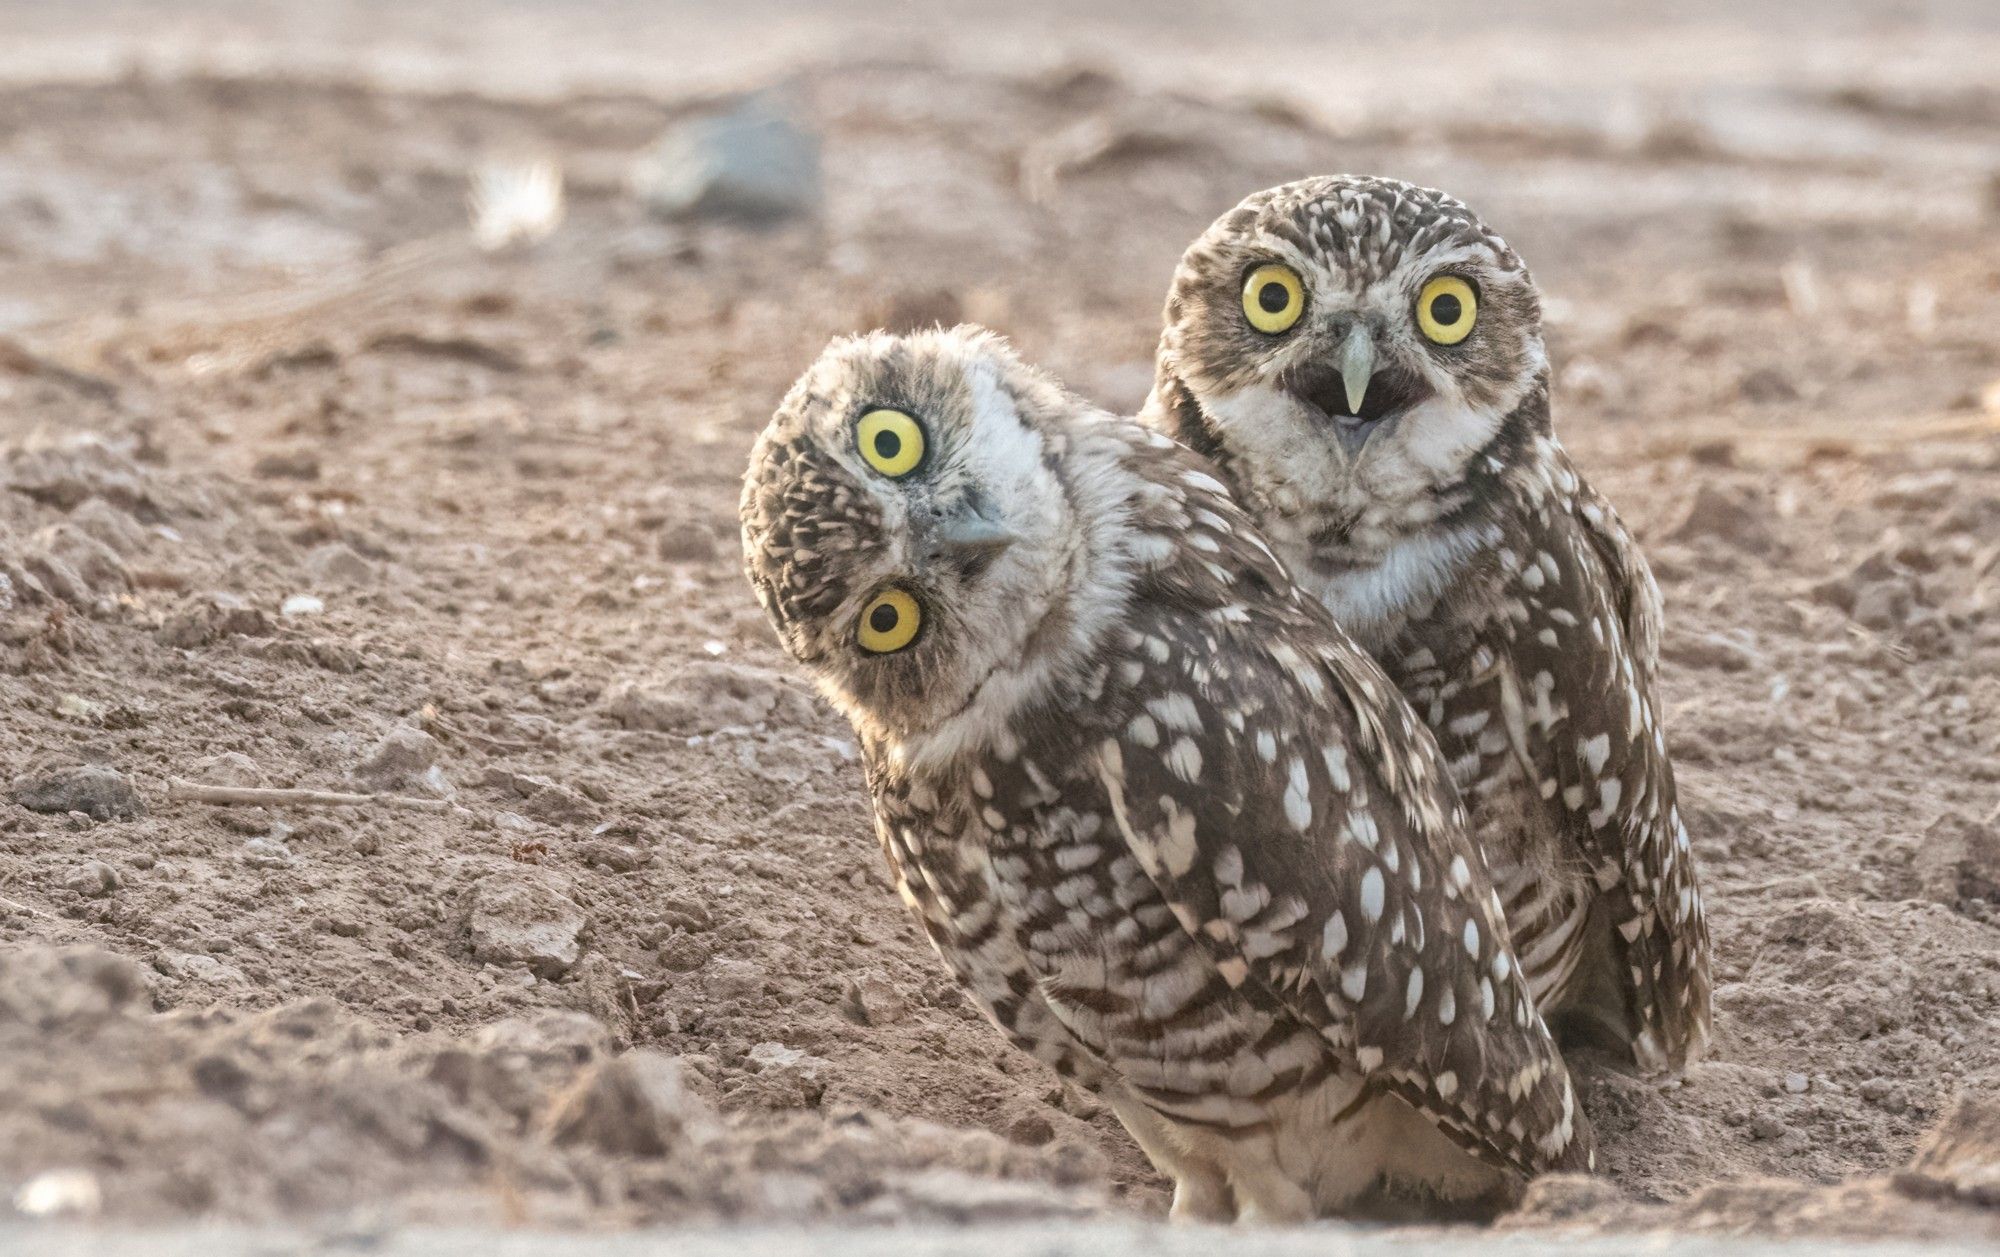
1357, 365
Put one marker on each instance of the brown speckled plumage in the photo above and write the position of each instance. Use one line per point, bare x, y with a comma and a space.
1454, 539
1175, 833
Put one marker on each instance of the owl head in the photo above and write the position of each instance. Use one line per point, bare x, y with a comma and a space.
906, 527
1345, 339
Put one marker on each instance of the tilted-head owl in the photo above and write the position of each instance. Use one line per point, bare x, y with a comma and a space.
1363, 361
1175, 834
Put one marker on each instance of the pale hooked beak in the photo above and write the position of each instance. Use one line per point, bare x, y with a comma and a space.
1357, 365
968, 540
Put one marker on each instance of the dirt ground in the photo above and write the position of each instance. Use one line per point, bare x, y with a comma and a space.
300, 488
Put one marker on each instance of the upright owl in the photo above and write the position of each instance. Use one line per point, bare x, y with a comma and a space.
1363, 361
1175, 834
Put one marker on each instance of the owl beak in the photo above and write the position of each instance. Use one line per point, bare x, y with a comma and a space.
1357, 365
968, 541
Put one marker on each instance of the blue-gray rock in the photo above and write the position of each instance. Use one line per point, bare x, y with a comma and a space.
751, 162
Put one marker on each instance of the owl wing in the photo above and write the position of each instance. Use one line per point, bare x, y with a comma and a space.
1586, 657
1281, 796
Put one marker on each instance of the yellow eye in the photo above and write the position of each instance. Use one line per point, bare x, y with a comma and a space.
889, 622
1447, 309
1273, 298
891, 441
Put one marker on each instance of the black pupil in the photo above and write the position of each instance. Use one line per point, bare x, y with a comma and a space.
883, 618
1273, 297
1445, 308
888, 445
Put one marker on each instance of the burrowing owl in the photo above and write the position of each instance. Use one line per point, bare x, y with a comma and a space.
1174, 832
1363, 361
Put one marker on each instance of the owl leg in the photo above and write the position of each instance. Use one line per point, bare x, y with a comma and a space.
1202, 1196
1201, 1193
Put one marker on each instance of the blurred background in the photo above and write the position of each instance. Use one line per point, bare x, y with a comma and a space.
376, 379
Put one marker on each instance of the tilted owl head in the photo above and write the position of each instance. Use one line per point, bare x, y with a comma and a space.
903, 524
1345, 335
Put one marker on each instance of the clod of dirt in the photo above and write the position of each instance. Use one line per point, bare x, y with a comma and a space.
1726, 514
1884, 604
202, 619
633, 1105
525, 918
706, 696
48, 987
1961, 1157
544, 800
1958, 862
98, 792
870, 1001
405, 759
94, 879
230, 768
335, 563
785, 1078
1717, 651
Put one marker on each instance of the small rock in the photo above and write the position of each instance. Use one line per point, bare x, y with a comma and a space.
613, 856
1767, 384
291, 465
101, 793
231, 768
1765, 1126
870, 1001
1031, 1130
523, 917
544, 800
734, 980
751, 162
298, 606
402, 760
1715, 651
94, 879
1725, 513
1797, 1084
687, 543
60, 1194
1958, 861
631, 1105
1875, 1090
335, 564
206, 618
1883, 604
683, 953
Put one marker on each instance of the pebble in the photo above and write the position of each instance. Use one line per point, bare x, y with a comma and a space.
1728, 514
1883, 604
1797, 1084
871, 1001
524, 917
750, 162
1765, 1126
101, 793
338, 565
404, 759
230, 768
632, 1105
206, 618
94, 879
299, 606
1715, 651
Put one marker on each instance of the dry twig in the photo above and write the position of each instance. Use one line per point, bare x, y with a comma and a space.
179, 791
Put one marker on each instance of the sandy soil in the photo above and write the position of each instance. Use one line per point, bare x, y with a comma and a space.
298, 488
